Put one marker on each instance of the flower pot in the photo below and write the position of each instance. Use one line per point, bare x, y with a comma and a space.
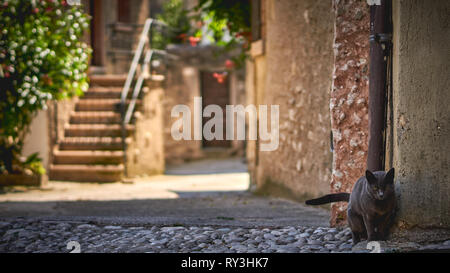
23, 180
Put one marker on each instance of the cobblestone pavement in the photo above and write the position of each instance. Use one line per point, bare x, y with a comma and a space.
54, 236
48, 236
192, 210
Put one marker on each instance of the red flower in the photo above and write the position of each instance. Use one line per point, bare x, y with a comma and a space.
194, 40
220, 77
35, 10
7, 74
229, 64
245, 34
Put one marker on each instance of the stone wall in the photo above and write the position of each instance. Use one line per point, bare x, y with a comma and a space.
145, 152
349, 98
295, 73
182, 85
38, 138
421, 113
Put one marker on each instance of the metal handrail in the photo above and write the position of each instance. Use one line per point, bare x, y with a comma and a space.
126, 113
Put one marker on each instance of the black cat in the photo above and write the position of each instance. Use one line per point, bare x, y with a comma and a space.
371, 205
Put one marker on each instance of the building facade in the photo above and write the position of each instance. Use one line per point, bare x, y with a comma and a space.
312, 58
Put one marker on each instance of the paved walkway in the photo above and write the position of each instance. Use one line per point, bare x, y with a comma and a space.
197, 207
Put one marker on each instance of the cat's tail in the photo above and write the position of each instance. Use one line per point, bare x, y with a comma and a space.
329, 198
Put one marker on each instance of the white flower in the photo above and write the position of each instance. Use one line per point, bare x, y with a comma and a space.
33, 99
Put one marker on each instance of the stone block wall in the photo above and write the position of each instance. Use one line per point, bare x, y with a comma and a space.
349, 99
421, 113
295, 73
145, 152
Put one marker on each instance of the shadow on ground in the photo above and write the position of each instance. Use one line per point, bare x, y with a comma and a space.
199, 193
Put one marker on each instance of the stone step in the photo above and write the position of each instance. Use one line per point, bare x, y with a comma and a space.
101, 105
96, 130
95, 117
87, 157
91, 143
86, 173
108, 92
107, 80
112, 92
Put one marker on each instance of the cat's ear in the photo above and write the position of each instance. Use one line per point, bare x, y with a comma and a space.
389, 177
370, 177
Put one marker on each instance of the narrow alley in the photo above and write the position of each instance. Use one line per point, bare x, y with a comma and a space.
201, 206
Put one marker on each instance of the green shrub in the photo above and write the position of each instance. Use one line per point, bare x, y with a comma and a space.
222, 17
42, 58
175, 16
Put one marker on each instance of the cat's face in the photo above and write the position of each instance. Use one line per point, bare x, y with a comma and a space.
380, 184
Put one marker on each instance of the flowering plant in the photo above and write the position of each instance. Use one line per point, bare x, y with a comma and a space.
228, 26
42, 58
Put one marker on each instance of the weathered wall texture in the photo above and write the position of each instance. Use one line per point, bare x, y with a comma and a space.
421, 112
349, 98
38, 138
298, 68
182, 85
145, 152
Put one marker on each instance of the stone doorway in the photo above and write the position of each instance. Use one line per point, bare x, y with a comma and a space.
217, 93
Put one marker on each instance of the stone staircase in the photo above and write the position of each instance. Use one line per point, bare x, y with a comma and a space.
91, 148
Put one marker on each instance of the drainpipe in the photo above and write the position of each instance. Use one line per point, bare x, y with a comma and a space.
380, 48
